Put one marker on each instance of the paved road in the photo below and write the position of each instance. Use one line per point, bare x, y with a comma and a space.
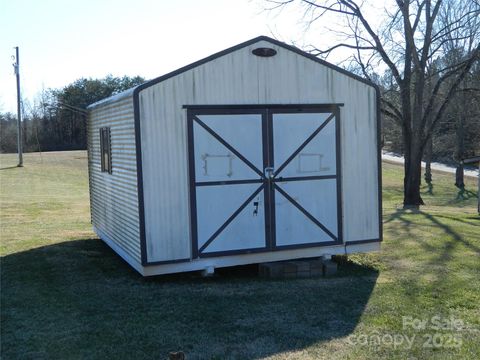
391, 157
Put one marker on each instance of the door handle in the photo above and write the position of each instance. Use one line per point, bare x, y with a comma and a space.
269, 172
255, 208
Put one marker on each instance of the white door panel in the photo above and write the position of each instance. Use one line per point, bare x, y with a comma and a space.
215, 162
293, 227
317, 197
246, 231
241, 131
215, 204
317, 158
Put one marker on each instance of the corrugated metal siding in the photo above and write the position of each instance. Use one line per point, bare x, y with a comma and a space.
114, 197
241, 78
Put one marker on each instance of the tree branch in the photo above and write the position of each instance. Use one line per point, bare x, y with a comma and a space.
378, 44
465, 64
475, 57
321, 52
392, 115
417, 18
409, 35
397, 112
328, 8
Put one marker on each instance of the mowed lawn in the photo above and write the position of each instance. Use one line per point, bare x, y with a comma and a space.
66, 295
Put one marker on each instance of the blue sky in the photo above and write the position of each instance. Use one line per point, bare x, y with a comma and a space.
61, 41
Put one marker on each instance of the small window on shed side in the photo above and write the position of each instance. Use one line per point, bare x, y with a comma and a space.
105, 150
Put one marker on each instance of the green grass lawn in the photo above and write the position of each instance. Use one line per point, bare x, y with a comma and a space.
66, 295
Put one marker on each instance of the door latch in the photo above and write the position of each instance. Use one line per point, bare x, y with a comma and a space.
269, 172
255, 208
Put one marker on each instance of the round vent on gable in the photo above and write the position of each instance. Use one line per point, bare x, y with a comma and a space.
264, 52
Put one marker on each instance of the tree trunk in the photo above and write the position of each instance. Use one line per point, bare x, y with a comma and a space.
413, 174
460, 132
459, 177
428, 161
412, 183
428, 165
412, 138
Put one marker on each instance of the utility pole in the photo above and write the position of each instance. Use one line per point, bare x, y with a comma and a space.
16, 66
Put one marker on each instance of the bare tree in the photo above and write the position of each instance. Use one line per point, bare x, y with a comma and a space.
410, 40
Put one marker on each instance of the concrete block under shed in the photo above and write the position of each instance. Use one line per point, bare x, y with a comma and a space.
316, 268
298, 269
271, 270
290, 270
329, 267
302, 268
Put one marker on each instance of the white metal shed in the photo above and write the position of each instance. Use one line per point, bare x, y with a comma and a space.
258, 153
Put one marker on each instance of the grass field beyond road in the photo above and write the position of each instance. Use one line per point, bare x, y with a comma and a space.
66, 295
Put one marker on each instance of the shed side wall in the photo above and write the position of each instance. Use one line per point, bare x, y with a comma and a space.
242, 78
113, 197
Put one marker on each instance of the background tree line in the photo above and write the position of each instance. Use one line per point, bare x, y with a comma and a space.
56, 120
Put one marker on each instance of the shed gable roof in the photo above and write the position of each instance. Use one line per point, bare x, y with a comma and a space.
212, 57
245, 44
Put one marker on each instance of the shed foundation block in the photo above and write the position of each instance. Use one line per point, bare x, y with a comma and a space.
298, 269
208, 271
329, 267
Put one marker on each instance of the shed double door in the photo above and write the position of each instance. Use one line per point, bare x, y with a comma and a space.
263, 178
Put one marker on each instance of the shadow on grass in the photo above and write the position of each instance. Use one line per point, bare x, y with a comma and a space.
9, 167
463, 220
464, 194
79, 298
434, 220
463, 198
456, 237
434, 263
